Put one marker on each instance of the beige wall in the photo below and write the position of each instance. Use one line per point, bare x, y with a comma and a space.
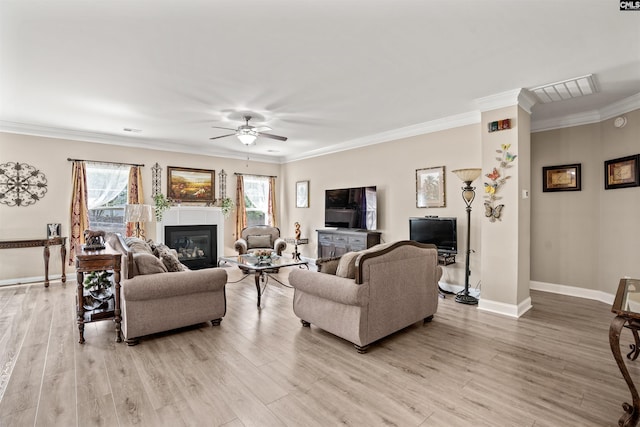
588, 238
50, 156
391, 167
585, 239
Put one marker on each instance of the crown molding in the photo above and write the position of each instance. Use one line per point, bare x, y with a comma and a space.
520, 97
437, 125
123, 141
589, 117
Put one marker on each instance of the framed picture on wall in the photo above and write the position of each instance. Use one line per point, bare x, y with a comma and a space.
302, 194
53, 230
430, 192
561, 178
622, 172
191, 185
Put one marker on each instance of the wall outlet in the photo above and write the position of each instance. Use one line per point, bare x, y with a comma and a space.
525, 194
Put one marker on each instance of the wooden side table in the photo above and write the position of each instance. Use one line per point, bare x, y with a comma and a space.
88, 261
626, 306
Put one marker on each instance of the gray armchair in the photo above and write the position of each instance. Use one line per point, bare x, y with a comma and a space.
260, 237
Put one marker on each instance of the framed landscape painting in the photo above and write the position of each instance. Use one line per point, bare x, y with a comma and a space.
430, 192
190, 185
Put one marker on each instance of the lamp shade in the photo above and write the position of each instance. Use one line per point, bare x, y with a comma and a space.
138, 213
468, 175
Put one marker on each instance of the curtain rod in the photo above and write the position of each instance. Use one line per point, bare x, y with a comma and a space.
255, 174
102, 161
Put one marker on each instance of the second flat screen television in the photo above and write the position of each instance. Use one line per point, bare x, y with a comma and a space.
440, 231
354, 208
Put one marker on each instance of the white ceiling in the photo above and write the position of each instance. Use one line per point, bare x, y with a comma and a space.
327, 74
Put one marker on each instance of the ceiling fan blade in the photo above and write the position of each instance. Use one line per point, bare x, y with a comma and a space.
268, 135
223, 136
262, 128
218, 127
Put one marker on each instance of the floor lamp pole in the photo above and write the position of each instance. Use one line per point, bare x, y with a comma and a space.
468, 194
464, 297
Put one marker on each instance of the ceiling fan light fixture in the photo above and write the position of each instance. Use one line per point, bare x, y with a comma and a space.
247, 137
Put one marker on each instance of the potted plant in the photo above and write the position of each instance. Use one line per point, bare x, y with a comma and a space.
162, 204
227, 206
98, 284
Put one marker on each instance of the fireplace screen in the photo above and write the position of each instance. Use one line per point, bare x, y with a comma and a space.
195, 244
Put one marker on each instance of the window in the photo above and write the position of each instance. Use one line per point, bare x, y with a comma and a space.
256, 198
107, 196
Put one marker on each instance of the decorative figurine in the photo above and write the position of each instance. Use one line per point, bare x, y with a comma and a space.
297, 233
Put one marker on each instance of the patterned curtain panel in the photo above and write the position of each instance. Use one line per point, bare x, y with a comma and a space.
135, 196
79, 209
241, 208
272, 202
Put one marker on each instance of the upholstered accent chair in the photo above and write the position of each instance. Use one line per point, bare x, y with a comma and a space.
365, 296
260, 237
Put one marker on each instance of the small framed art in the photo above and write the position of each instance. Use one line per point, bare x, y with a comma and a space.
191, 185
622, 172
302, 194
430, 192
53, 231
561, 178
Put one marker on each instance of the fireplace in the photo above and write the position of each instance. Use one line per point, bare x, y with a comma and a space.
195, 244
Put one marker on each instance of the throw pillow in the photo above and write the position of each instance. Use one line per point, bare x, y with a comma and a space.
137, 245
347, 265
148, 264
259, 241
170, 259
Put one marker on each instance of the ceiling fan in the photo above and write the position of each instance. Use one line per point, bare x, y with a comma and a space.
247, 134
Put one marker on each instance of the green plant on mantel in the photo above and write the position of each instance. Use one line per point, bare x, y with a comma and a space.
227, 206
162, 204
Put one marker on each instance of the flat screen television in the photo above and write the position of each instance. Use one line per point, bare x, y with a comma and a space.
440, 231
351, 208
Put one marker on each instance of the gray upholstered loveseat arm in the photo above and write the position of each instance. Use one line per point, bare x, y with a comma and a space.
168, 285
333, 288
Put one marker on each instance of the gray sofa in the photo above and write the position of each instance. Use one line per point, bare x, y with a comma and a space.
160, 294
372, 294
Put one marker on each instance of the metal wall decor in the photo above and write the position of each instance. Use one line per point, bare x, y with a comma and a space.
156, 180
497, 177
222, 183
21, 184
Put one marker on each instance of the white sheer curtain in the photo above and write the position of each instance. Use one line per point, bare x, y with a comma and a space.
256, 192
105, 182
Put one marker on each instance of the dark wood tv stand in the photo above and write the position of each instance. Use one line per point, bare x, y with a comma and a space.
334, 243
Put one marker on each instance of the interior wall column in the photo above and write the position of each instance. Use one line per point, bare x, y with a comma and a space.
505, 243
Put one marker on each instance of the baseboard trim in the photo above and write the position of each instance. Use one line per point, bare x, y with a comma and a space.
572, 291
26, 280
505, 309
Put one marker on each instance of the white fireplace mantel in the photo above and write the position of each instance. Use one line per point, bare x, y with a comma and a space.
193, 215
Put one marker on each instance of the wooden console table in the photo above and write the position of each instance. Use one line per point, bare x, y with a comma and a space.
88, 261
32, 243
626, 306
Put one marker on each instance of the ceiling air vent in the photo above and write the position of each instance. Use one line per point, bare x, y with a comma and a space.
566, 89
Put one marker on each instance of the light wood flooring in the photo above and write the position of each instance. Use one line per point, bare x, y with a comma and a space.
552, 367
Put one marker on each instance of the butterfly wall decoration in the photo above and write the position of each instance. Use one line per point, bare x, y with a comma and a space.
492, 212
497, 178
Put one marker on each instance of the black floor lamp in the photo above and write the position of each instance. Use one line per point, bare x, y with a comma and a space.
468, 194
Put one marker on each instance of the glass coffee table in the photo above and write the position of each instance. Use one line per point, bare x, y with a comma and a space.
261, 269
